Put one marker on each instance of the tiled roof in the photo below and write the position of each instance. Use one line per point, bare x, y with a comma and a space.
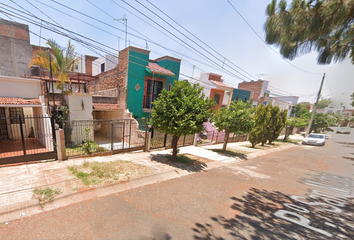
19, 101
220, 84
157, 69
104, 106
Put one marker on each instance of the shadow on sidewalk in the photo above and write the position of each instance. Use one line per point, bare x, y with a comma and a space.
229, 153
197, 167
254, 219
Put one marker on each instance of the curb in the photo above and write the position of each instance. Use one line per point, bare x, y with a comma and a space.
29, 208
265, 152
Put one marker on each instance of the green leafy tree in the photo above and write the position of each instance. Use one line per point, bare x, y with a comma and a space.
334, 119
63, 60
268, 123
320, 122
301, 111
293, 122
238, 119
277, 123
259, 131
325, 26
181, 111
324, 103
352, 99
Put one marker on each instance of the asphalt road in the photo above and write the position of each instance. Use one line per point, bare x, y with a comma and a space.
305, 192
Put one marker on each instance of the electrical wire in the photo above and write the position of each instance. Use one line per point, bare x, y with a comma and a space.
252, 77
255, 32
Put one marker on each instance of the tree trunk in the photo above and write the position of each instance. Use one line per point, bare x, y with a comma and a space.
226, 139
174, 148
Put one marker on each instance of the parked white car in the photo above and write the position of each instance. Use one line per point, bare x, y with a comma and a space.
315, 139
343, 130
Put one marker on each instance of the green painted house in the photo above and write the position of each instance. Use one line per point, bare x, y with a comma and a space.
146, 78
239, 94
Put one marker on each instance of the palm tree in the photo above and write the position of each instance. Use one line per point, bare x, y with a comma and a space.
63, 60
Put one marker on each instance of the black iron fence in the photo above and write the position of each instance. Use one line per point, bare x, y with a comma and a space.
215, 137
104, 136
27, 138
162, 140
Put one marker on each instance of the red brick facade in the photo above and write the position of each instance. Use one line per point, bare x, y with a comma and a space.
14, 31
113, 82
88, 64
254, 87
215, 77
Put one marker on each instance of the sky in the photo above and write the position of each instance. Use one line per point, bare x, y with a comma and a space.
238, 52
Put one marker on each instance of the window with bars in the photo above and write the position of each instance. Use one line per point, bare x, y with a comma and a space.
14, 113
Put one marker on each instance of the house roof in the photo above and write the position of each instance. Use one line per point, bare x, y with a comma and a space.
19, 101
221, 84
104, 106
157, 69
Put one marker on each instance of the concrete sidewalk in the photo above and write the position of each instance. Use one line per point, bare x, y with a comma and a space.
18, 182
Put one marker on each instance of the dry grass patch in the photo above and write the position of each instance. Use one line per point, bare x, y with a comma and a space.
101, 173
46, 195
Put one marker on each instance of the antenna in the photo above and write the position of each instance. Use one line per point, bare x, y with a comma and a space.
259, 75
125, 21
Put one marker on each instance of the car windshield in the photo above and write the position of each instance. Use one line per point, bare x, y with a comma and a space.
316, 136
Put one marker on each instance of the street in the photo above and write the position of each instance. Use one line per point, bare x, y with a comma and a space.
305, 192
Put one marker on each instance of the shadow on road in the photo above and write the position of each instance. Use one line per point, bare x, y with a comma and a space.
199, 167
254, 219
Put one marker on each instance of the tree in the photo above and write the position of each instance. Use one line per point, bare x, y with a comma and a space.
301, 111
63, 60
294, 122
324, 103
181, 111
352, 99
325, 26
238, 119
320, 122
258, 133
277, 123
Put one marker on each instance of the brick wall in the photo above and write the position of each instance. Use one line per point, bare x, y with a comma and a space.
215, 77
15, 48
14, 30
112, 83
88, 63
254, 87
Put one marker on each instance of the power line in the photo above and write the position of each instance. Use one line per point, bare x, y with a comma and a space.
142, 34
177, 37
249, 25
198, 38
182, 34
120, 30
92, 18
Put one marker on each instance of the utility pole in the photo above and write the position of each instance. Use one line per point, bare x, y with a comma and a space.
315, 106
125, 21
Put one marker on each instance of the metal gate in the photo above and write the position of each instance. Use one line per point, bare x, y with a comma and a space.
26, 138
104, 136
